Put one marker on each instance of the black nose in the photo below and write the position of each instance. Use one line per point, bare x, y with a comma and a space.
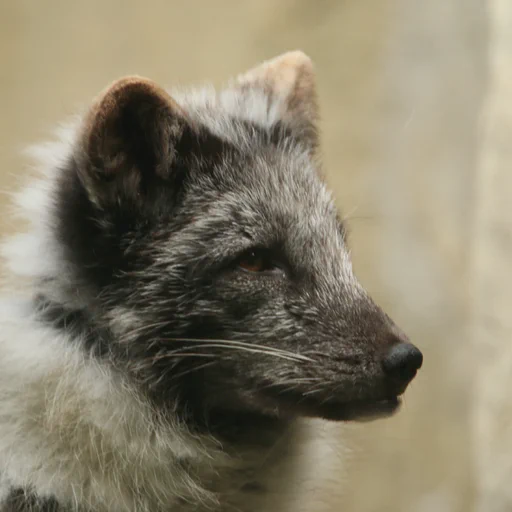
402, 362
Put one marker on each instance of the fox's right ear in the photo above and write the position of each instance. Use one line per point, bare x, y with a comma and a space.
289, 80
133, 134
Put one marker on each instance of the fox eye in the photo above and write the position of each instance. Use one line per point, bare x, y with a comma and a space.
257, 260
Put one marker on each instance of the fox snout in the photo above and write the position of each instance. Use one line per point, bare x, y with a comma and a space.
363, 375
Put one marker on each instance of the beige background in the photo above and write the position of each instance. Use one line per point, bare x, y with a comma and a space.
420, 173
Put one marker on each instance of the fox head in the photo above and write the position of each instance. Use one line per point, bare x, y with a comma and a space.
202, 254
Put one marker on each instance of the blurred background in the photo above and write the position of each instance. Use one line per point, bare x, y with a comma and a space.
416, 100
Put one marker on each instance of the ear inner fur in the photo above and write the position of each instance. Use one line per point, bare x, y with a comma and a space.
290, 78
133, 128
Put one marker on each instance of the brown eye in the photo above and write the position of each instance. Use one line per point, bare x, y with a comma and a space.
256, 261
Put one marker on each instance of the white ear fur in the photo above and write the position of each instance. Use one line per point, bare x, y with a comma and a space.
289, 79
287, 74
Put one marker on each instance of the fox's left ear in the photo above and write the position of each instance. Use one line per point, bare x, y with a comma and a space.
289, 80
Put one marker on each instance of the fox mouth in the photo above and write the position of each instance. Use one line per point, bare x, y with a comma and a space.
332, 410
359, 410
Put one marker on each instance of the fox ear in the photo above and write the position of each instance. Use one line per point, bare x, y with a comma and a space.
131, 134
289, 80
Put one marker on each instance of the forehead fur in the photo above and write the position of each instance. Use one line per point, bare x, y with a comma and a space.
282, 89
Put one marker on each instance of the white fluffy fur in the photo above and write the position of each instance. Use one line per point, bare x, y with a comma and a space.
72, 428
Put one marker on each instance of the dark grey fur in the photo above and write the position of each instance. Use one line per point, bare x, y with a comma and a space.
154, 210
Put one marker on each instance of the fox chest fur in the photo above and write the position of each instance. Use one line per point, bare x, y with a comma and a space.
190, 318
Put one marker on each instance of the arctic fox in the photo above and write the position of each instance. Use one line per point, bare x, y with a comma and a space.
191, 303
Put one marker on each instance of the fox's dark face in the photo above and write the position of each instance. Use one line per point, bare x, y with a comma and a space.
213, 258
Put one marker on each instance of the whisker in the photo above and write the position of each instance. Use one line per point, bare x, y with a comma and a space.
253, 347
182, 354
247, 349
290, 383
191, 370
179, 352
240, 344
